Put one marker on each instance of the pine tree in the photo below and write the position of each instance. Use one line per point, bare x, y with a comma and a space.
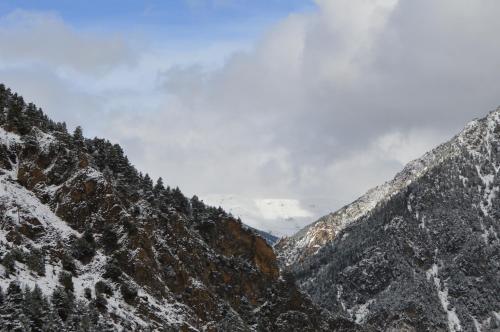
197, 208
12, 310
83, 248
79, 320
35, 260
148, 188
160, 199
78, 138
54, 322
66, 280
9, 262
36, 308
4, 97
63, 303
159, 188
15, 115
148, 183
180, 202
109, 239
33, 117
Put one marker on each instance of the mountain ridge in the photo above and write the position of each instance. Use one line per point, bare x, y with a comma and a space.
317, 234
424, 255
88, 243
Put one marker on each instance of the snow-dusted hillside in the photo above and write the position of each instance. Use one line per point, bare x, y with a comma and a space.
418, 253
47, 233
314, 236
88, 243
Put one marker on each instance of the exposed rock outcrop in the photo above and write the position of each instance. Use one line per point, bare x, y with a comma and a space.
114, 252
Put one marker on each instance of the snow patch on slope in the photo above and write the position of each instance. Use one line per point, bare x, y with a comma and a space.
442, 292
9, 138
44, 140
362, 312
21, 203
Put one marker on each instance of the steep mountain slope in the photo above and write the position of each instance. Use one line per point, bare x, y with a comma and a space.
89, 244
419, 253
309, 240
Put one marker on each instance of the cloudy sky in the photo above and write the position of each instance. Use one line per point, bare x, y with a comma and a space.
281, 111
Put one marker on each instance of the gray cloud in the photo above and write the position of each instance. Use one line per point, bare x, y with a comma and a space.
334, 102
326, 105
61, 100
44, 39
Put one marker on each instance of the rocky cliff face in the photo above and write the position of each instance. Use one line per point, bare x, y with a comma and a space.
87, 243
419, 253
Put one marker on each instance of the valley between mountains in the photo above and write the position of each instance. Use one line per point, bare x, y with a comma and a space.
89, 243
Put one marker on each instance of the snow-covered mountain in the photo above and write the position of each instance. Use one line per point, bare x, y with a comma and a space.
87, 243
310, 239
276, 216
418, 253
